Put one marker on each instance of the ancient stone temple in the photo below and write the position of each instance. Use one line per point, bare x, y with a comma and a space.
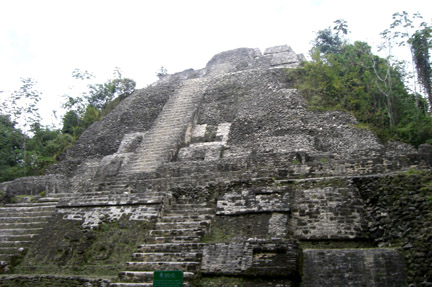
225, 174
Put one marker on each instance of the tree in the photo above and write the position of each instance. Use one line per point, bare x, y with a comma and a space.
94, 103
71, 123
330, 40
162, 72
100, 95
400, 34
11, 150
44, 147
23, 106
421, 43
29, 152
350, 77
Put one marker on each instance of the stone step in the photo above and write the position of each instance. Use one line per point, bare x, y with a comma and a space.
167, 256
111, 187
185, 224
110, 194
169, 133
151, 204
19, 231
186, 201
166, 139
170, 247
23, 219
15, 244
58, 196
155, 156
184, 218
191, 211
23, 213
11, 250
156, 148
33, 208
17, 237
145, 164
182, 206
173, 239
102, 193
147, 276
29, 204
162, 140
120, 284
178, 105
48, 200
105, 201
162, 266
196, 232
178, 110
5, 259
13, 225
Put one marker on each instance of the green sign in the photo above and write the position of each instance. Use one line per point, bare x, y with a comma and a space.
168, 279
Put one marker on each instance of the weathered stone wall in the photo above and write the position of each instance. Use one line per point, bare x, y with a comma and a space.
327, 210
268, 116
65, 247
353, 267
304, 209
51, 281
92, 210
273, 176
35, 185
399, 209
265, 258
136, 113
254, 200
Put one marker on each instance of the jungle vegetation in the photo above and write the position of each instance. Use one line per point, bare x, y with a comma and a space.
348, 76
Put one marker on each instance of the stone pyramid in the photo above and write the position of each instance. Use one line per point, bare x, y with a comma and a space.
225, 174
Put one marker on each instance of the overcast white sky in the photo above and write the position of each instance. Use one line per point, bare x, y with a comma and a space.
47, 39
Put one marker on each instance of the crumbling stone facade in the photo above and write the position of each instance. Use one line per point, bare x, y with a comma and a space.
223, 173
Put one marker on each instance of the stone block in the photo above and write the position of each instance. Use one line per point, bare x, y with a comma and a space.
252, 258
278, 49
201, 152
278, 225
91, 217
328, 213
34, 185
110, 166
284, 58
253, 201
130, 142
198, 133
353, 267
223, 132
425, 152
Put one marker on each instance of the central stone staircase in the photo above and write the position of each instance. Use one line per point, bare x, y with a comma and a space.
173, 245
162, 141
19, 224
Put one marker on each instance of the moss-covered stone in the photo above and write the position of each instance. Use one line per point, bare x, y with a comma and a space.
236, 281
64, 247
238, 228
400, 215
50, 281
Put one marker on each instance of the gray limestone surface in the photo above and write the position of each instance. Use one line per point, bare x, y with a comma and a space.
229, 175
